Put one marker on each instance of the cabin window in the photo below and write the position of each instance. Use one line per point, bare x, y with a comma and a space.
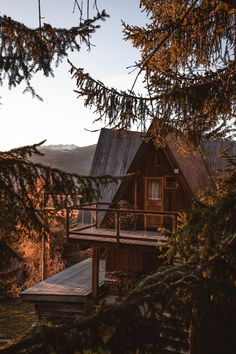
154, 189
171, 182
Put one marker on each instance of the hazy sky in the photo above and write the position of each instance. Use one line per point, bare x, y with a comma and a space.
61, 117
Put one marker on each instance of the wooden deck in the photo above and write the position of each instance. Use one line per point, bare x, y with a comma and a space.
95, 236
72, 285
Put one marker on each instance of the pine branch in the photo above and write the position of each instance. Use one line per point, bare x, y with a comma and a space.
119, 109
25, 51
144, 64
26, 188
196, 105
23, 152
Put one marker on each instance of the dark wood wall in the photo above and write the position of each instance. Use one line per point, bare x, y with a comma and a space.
156, 164
153, 164
131, 260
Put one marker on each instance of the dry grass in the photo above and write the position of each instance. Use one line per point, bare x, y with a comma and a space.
16, 318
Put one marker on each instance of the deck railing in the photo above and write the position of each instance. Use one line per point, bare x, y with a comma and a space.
118, 213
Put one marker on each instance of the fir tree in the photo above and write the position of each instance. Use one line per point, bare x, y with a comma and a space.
188, 57
193, 292
26, 188
188, 62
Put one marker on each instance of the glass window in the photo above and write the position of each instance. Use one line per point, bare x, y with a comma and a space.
154, 189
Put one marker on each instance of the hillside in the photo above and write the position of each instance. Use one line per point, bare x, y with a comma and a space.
70, 158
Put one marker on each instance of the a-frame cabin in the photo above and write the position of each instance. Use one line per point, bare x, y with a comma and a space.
124, 227
162, 182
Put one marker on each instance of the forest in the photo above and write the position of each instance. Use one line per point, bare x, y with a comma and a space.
188, 68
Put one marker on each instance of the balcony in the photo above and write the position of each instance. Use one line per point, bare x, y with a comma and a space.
100, 223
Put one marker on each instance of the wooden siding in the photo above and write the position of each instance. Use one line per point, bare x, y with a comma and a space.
131, 260
174, 199
124, 154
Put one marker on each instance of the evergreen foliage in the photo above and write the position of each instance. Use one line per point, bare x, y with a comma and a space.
28, 188
30, 196
195, 289
188, 61
188, 57
25, 51
11, 267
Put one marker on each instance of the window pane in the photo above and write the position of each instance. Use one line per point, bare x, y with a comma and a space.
154, 189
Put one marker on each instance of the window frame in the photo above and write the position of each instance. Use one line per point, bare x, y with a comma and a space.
148, 179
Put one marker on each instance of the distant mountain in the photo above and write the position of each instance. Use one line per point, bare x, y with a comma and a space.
69, 158
61, 147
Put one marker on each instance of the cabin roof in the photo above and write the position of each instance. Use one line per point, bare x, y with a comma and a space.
113, 156
192, 167
120, 153
211, 151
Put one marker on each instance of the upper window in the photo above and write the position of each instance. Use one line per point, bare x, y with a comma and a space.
154, 189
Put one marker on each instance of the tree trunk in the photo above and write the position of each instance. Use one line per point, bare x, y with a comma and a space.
212, 329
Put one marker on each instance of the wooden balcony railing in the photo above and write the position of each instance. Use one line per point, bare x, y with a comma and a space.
118, 213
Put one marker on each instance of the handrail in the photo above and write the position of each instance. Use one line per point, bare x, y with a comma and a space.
94, 207
121, 210
138, 238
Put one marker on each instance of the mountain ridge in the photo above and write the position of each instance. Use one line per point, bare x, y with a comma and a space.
76, 159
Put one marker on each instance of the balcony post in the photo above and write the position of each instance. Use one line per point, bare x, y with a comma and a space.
95, 275
67, 224
176, 222
135, 193
96, 215
43, 246
43, 257
117, 222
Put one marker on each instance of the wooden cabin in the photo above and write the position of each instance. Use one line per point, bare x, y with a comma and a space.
126, 224
124, 228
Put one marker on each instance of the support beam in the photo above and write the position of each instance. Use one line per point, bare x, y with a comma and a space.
96, 215
95, 275
43, 257
135, 192
117, 223
67, 224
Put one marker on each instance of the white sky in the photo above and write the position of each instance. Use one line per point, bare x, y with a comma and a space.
61, 118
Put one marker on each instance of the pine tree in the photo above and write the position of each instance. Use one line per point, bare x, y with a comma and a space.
188, 58
24, 51
194, 290
188, 62
26, 188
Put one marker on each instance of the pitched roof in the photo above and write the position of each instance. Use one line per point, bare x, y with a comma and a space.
119, 154
113, 156
192, 166
211, 150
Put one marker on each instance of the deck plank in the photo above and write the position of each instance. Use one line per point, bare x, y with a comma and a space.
127, 237
70, 285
